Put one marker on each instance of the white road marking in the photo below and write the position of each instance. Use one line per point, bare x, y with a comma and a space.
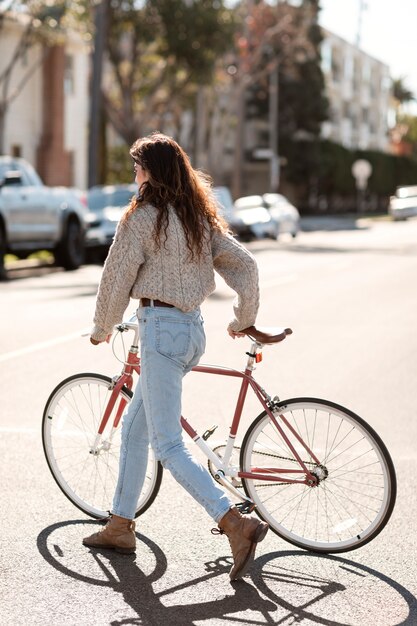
41, 346
17, 430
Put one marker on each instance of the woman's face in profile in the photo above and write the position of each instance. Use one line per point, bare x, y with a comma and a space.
140, 174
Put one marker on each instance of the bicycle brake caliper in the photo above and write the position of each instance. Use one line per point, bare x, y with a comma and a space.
273, 403
114, 381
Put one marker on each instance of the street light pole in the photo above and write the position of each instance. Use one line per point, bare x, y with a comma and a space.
240, 91
95, 99
273, 127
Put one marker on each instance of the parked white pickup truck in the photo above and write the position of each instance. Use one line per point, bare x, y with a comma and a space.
35, 217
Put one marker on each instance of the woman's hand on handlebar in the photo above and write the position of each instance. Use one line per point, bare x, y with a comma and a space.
95, 342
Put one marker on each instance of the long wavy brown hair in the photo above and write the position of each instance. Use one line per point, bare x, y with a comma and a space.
173, 181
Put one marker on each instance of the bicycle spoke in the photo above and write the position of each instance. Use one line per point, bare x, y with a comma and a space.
352, 496
70, 428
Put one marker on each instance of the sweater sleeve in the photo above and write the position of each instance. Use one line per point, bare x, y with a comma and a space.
239, 269
119, 274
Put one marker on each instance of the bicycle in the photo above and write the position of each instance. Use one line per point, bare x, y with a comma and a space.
315, 471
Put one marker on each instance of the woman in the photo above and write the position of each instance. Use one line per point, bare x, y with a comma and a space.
167, 245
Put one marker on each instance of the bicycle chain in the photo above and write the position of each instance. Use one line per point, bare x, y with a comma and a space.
275, 456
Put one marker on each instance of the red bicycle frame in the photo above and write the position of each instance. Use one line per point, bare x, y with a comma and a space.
271, 474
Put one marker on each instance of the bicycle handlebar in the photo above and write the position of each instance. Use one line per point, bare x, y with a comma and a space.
263, 335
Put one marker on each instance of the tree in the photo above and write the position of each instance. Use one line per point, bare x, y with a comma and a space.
403, 137
406, 128
285, 39
159, 53
401, 92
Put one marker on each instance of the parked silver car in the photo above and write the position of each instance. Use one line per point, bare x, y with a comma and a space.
255, 221
106, 204
35, 217
269, 215
227, 208
283, 213
404, 203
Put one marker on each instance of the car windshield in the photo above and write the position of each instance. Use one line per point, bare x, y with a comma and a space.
101, 199
249, 202
407, 192
274, 198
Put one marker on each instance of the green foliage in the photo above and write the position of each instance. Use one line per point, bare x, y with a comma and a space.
335, 169
302, 103
401, 92
302, 160
195, 33
388, 171
160, 51
119, 166
291, 36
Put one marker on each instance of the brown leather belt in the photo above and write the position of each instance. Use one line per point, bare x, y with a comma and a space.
148, 302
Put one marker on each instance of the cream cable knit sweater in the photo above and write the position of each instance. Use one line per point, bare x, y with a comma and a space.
137, 268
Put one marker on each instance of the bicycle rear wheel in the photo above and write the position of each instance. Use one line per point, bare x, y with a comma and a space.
356, 489
69, 427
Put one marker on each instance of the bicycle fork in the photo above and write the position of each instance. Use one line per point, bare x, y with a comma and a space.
105, 445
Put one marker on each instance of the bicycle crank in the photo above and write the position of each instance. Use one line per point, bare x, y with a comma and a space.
236, 482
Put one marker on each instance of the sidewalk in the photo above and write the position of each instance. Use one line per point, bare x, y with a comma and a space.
338, 222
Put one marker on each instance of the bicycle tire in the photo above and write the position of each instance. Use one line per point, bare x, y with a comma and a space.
69, 426
356, 492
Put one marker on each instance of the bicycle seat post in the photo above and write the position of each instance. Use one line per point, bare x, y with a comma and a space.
255, 350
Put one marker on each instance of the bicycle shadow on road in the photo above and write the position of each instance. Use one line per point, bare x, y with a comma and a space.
287, 586
358, 590
124, 574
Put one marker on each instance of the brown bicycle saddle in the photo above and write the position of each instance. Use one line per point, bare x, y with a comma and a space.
266, 334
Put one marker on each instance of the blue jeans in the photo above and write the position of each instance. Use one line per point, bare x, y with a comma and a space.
172, 342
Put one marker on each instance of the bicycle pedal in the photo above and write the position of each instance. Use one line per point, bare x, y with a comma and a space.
246, 507
209, 432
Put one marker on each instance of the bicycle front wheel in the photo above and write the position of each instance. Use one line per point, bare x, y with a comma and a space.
70, 423
356, 485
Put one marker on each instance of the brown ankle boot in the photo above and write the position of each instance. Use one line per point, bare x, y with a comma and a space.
243, 533
118, 534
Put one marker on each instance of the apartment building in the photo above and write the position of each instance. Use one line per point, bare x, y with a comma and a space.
358, 88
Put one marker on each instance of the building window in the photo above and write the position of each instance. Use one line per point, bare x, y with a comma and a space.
347, 109
349, 68
334, 115
366, 72
372, 128
326, 57
356, 74
69, 75
336, 69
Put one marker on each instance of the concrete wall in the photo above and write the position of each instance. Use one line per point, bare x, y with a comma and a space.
77, 112
28, 129
24, 115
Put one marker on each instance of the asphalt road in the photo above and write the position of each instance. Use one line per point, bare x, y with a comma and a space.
349, 292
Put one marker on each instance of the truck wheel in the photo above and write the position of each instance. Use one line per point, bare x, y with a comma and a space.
70, 251
3, 273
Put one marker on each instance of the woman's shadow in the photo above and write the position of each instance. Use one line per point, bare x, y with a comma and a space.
270, 576
125, 576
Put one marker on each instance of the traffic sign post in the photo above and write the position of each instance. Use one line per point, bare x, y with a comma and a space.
361, 171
